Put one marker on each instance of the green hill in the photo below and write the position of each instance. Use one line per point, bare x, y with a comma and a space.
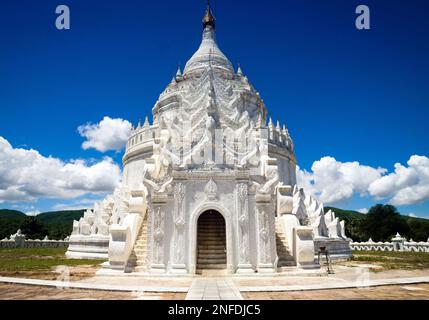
11, 214
58, 224
10, 221
60, 216
346, 214
419, 227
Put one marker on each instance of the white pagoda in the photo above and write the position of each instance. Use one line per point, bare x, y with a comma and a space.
209, 185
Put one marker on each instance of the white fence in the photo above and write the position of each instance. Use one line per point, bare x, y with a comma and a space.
398, 244
18, 240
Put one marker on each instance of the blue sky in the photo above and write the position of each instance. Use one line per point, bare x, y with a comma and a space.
356, 96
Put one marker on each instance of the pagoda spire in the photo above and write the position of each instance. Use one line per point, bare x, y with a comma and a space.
209, 19
239, 71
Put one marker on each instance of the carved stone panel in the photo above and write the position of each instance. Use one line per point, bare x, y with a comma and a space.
158, 236
179, 223
243, 222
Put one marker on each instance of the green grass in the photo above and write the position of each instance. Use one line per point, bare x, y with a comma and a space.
393, 260
38, 259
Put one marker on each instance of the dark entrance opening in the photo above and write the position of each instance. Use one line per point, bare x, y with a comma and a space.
211, 242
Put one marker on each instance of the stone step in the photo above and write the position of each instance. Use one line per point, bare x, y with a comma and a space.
141, 246
215, 255
211, 242
212, 272
211, 256
214, 238
211, 266
212, 253
211, 247
217, 247
204, 261
212, 233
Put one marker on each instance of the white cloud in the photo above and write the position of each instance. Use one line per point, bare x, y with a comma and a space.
77, 204
407, 185
33, 213
26, 175
333, 181
363, 210
108, 134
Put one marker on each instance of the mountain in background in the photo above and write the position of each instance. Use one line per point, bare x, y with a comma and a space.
354, 225
58, 224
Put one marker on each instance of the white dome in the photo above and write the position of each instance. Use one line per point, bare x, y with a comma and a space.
208, 54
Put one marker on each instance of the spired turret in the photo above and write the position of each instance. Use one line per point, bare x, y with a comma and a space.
208, 54
209, 19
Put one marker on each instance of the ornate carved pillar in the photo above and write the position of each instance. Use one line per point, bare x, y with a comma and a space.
243, 243
158, 211
179, 266
266, 237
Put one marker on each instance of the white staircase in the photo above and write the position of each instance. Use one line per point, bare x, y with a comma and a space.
137, 260
284, 253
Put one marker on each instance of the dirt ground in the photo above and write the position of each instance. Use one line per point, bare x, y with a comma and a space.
59, 273
27, 292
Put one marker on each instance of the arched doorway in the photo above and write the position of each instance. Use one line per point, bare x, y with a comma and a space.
211, 242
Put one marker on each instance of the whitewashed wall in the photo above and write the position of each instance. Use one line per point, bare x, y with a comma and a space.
398, 243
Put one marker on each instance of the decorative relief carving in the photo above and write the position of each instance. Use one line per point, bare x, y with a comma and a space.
179, 222
150, 242
159, 234
243, 219
211, 189
263, 235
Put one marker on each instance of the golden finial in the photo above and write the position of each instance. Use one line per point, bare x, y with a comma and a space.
209, 19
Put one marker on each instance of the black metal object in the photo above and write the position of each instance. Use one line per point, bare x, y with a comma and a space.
325, 252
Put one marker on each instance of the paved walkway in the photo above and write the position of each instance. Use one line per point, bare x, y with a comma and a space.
31, 292
103, 286
229, 287
395, 292
213, 289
